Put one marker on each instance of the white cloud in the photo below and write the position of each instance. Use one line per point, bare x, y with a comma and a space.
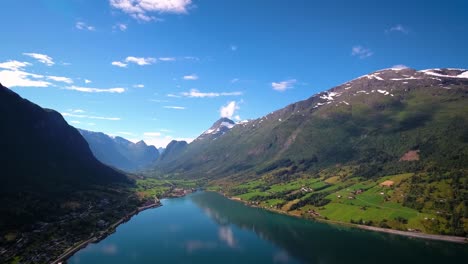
14, 76
191, 77
233, 47
191, 58
229, 109
398, 28
141, 9
77, 111
237, 118
75, 122
400, 66
42, 58
120, 26
119, 64
284, 85
17, 78
140, 61
194, 93
95, 90
87, 81
361, 52
167, 59
14, 65
139, 86
175, 107
235, 80
83, 26
173, 95
90, 117
60, 79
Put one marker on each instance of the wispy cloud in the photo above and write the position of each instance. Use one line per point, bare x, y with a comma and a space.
159, 101
83, 26
140, 61
167, 59
233, 47
125, 133
398, 28
400, 66
191, 77
142, 9
60, 79
229, 109
95, 90
152, 134
175, 107
194, 93
119, 64
91, 117
139, 86
120, 26
361, 52
284, 85
42, 58
87, 81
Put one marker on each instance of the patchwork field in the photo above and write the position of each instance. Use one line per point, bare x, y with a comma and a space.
384, 202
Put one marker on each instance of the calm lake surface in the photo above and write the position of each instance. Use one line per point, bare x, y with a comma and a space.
206, 227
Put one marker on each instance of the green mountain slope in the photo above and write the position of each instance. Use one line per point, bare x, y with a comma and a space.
356, 123
386, 123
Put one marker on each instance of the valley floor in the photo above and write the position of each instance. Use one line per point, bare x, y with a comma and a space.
378, 205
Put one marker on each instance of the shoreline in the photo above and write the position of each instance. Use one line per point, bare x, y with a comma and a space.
110, 230
445, 238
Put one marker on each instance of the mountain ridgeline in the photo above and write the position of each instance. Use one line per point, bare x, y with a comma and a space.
119, 152
44, 163
367, 124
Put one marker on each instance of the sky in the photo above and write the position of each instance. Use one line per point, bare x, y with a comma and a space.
158, 70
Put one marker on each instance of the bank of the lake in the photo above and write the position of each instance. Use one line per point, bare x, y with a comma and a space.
96, 238
419, 235
206, 227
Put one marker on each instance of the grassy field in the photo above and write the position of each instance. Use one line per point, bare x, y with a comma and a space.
151, 187
348, 200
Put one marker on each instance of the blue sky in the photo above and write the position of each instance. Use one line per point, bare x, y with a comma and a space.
167, 69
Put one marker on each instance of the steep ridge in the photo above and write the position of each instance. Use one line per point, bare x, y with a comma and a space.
369, 122
43, 161
119, 152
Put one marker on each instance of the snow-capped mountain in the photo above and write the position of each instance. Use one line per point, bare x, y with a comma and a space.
218, 129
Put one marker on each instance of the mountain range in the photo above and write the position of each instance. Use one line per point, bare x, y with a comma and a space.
393, 142
119, 152
370, 123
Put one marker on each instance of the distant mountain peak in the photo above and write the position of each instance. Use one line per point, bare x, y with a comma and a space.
218, 129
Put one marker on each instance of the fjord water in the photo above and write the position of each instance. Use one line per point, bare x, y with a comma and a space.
206, 227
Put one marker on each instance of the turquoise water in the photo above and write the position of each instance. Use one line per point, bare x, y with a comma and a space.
208, 228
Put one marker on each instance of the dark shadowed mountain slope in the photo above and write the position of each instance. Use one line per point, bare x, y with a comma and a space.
43, 160
119, 152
